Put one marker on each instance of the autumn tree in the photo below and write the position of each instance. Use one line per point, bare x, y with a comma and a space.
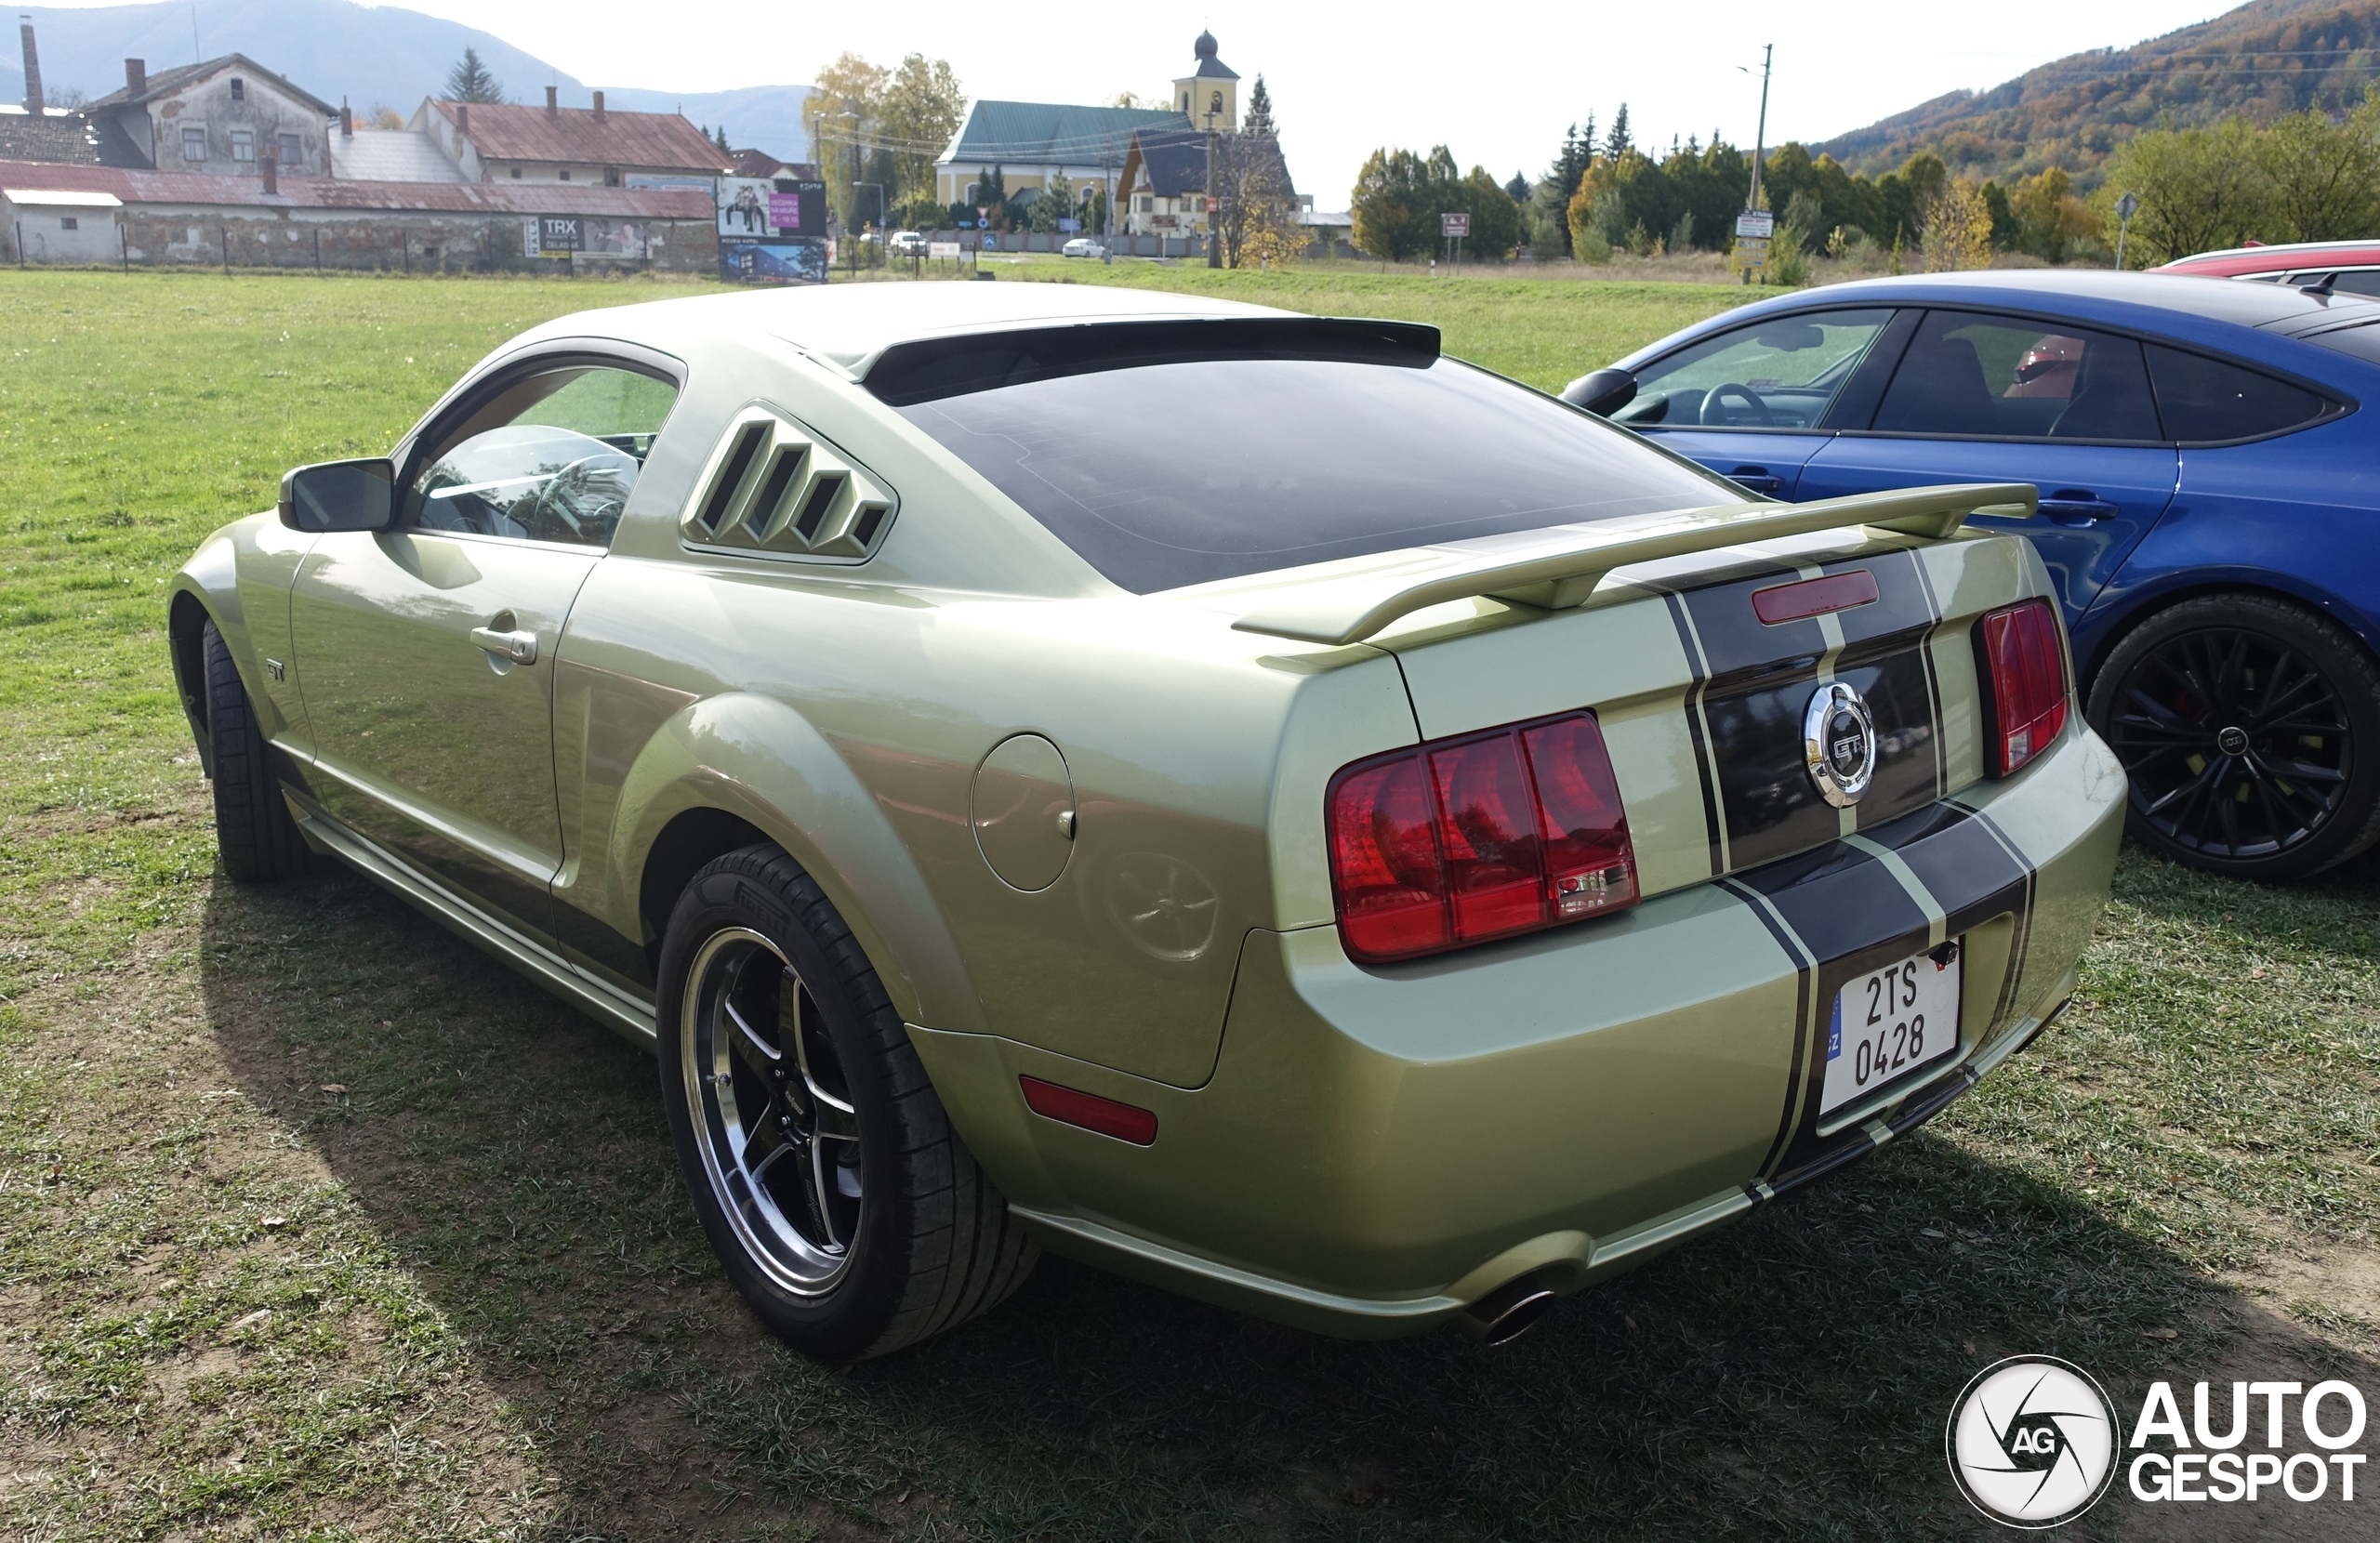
921, 107
470, 80
1958, 230
2200, 189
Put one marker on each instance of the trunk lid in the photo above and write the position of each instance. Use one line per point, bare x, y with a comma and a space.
1703, 703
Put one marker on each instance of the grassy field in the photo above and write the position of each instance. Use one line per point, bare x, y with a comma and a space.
315, 1224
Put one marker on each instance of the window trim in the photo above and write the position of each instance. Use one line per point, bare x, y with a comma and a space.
189, 129
467, 395
2334, 405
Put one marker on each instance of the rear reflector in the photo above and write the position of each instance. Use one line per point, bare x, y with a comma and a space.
1794, 602
1072, 1106
2026, 670
1481, 836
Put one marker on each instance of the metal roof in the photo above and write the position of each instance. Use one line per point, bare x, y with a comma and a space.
310, 192
1027, 133
646, 141
165, 82
391, 155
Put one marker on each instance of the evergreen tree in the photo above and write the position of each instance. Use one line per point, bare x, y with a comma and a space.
1518, 188
719, 136
1259, 112
1561, 183
471, 82
1618, 144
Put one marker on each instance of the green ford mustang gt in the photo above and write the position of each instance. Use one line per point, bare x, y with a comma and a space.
1237, 797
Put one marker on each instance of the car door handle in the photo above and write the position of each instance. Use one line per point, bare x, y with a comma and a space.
1759, 479
2076, 506
518, 647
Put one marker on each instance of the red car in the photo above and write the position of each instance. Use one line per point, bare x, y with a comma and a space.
2351, 267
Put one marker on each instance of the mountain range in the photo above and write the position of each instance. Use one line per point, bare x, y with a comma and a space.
366, 55
2266, 58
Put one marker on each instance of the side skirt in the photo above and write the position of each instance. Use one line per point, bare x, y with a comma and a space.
623, 1015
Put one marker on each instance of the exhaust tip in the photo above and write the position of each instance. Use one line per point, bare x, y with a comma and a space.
1507, 1313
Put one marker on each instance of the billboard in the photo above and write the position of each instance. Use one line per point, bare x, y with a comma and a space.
760, 209
567, 236
772, 262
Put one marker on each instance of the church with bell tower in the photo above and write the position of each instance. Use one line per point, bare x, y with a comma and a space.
1151, 161
1208, 95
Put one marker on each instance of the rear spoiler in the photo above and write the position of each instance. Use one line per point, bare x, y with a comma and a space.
1560, 568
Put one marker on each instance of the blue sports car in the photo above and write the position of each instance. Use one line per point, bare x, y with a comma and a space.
2209, 508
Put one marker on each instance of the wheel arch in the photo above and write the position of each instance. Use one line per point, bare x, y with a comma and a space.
735, 769
2109, 629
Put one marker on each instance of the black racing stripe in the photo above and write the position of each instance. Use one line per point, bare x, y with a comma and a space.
1686, 641
2021, 945
1839, 901
1802, 964
1925, 583
1952, 853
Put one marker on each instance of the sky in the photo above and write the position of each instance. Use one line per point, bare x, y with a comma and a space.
1497, 88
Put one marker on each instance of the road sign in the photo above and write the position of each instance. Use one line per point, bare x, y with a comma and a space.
1211, 202
1755, 225
2127, 206
1450, 226
942, 249
984, 213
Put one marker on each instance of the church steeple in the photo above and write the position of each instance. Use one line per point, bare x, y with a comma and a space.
1208, 95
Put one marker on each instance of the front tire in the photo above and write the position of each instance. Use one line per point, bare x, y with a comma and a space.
254, 833
2251, 730
822, 1165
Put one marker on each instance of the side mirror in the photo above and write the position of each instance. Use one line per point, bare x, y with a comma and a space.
340, 495
1602, 393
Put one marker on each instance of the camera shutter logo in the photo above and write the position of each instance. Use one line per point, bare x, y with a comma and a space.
2032, 1442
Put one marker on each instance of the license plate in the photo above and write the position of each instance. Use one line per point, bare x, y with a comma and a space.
1889, 1023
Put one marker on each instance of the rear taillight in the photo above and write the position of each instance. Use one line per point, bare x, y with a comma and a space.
2025, 671
1487, 836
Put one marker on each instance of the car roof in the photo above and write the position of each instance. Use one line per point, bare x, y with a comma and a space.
2234, 261
2147, 301
848, 326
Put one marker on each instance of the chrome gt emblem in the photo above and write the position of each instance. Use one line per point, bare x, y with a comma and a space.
1839, 744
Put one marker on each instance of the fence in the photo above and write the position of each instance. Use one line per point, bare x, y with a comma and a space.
135, 237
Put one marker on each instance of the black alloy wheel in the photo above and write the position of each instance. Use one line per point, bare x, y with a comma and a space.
2250, 728
820, 1162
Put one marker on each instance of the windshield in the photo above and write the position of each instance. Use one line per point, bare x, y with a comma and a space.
1192, 471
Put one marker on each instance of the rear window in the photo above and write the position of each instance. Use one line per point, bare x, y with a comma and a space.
2362, 342
2209, 400
1190, 468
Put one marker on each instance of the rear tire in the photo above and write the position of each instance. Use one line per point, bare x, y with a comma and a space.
253, 832
822, 1165
2250, 728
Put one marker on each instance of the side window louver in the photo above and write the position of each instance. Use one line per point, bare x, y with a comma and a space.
771, 488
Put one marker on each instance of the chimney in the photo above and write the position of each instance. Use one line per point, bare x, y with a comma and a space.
136, 76
32, 68
346, 120
270, 166
462, 117
553, 102
598, 96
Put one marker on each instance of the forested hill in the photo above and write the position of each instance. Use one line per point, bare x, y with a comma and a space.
2265, 59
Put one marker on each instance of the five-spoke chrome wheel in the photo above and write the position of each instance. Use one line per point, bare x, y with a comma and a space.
773, 1117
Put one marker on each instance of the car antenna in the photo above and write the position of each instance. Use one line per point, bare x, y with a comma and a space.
2325, 286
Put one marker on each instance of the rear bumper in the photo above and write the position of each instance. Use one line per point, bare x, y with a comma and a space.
1378, 1147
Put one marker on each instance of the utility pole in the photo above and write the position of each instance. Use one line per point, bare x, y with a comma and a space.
1760, 133
1214, 247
